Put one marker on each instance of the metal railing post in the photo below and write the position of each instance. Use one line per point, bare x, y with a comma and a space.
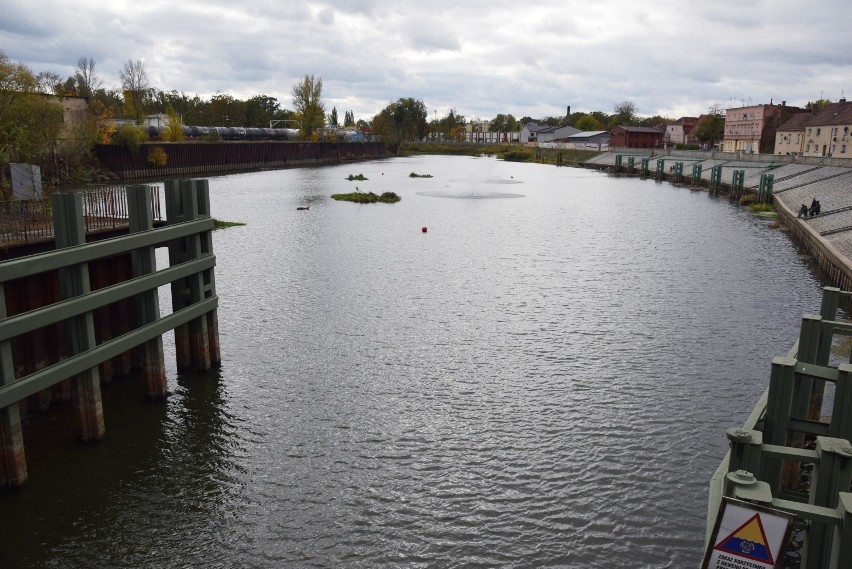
832, 475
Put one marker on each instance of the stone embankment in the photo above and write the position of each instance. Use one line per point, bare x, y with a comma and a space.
796, 181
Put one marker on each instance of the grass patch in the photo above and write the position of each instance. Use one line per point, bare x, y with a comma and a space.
517, 156
758, 207
416, 175
219, 224
359, 177
370, 197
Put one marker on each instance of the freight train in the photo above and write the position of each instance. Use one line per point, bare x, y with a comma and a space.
228, 132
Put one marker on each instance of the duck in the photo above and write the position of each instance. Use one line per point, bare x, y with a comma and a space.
305, 207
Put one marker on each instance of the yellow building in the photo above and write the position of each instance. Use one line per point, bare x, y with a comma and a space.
825, 132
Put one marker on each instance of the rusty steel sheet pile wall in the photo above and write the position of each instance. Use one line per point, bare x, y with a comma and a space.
190, 158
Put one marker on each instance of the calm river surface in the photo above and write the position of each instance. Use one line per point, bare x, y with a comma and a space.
542, 379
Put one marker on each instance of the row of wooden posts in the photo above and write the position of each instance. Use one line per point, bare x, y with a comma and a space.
187, 234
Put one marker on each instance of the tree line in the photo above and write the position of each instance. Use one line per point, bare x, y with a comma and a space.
31, 128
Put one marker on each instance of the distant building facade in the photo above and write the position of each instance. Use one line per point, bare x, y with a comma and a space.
825, 132
678, 131
589, 140
753, 128
636, 137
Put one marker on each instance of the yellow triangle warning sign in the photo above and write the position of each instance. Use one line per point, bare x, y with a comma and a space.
748, 541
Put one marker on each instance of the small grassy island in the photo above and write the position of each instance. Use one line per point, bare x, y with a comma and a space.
361, 197
416, 175
359, 177
219, 224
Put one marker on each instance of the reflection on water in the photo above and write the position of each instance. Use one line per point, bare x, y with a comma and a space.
543, 380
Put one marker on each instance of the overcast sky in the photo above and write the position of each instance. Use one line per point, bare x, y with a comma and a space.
480, 57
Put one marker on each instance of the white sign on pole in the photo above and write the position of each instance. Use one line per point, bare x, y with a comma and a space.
26, 181
747, 536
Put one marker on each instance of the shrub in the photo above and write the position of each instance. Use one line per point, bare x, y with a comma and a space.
517, 156
157, 156
130, 136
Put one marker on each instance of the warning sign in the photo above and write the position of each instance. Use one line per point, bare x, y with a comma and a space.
747, 536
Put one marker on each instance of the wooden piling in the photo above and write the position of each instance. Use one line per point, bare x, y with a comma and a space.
152, 362
13, 461
69, 230
197, 343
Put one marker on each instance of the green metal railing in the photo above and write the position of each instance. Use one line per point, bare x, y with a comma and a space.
104, 207
188, 236
764, 463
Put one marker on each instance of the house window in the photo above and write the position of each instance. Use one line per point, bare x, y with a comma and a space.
834, 132
843, 149
808, 149
809, 132
817, 132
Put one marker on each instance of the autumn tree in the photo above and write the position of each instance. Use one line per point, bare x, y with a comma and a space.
104, 121
308, 105
173, 131
134, 83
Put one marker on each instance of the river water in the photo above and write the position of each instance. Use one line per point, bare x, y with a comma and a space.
544, 378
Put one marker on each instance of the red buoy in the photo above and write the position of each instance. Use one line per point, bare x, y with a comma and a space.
424, 229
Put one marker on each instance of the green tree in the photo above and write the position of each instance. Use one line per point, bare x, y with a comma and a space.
227, 111
403, 120
260, 110
308, 104
625, 115
504, 123
817, 105
711, 127
332, 117
30, 123
349, 119
587, 123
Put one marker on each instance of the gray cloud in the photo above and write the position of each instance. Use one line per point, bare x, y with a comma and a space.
480, 57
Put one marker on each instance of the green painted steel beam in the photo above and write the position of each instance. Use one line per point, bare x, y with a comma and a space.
54, 260
38, 318
809, 426
49, 376
808, 511
790, 453
818, 371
